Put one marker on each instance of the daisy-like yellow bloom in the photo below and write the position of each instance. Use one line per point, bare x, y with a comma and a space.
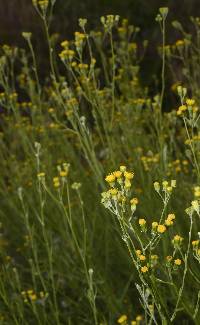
168, 222
139, 318
122, 319
122, 169
181, 110
177, 239
127, 184
56, 182
113, 191
142, 258
171, 216
41, 175
110, 178
65, 44
144, 269
195, 243
154, 225
195, 205
138, 252
63, 173
142, 222
177, 262
117, 174
190, 102
165, 184
134, 201
156, 186
169, 258
128, 175
161, 229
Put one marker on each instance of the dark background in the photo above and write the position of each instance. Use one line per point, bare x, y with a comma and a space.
19, 15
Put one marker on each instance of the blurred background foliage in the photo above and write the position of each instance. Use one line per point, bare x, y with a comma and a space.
19, 15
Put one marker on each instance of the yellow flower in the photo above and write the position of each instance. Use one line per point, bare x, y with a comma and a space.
113, 191
195, 205
168, 222
190, 102
169, 258
41, 175
171, 216
165, 184
122, 169
142, 258
110, 178
156, 186
177, 261
161, 229
128, 175
122, 319
127, 184
177, 239
65, 44
154, 257
139, 318
195, 243
63, 173
33, 297
179, 42
117, 174
134, 201
138, 252
142, 222
56, 184
144, 269
154, 225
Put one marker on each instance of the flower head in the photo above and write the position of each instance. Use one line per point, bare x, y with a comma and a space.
144, 269
161, 229
122, 319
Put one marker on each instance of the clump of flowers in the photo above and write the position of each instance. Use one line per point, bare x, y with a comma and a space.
117, 195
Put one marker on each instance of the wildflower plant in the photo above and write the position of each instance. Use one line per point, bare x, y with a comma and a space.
62, 261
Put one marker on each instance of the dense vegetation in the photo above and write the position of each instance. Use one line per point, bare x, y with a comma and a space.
100, 178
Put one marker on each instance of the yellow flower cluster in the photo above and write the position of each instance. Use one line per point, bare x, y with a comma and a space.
63, 173
188, 106
142, 222
178, 166
144, 269
194, 139
30, 295
67, 54
120, 183
166, 186
197, 191
122, 176
43, 4
79, 39
109, 21
176, 262
161, 229
149, 161
177, 240
169, 221
122, 319
195, 245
